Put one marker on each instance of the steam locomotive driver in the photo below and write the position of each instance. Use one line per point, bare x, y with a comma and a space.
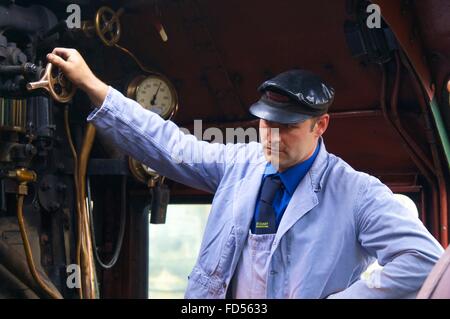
290, 220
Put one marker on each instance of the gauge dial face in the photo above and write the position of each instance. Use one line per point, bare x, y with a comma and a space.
157, 94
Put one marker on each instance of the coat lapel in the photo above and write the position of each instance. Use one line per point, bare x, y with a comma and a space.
245, 200
303, 200
305, 197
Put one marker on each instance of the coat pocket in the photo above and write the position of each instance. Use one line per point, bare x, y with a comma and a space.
227, 254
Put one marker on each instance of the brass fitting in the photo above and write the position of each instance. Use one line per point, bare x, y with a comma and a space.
23, 175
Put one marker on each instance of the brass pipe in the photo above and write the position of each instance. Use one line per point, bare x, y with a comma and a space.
77, 195
18, 266
84, 243
26, 244
128, 52
88, 258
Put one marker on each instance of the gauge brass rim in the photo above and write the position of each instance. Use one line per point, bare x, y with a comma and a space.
139, 172
137, 81
131, 92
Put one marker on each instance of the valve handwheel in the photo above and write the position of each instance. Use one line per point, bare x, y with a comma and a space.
107, 25
54, 81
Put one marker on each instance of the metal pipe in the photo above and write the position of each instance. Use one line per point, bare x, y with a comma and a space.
395, 116
412, 145
38, 85
87, 254
435, 154
24, 69
26, 244
16, 265
416, 149
77, 195
31, 20
414, 158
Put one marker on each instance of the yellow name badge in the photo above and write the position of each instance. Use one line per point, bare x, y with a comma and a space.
262, 225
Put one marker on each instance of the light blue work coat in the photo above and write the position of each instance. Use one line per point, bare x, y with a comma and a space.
337, 223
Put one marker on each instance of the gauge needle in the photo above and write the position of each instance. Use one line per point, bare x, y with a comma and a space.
153, 101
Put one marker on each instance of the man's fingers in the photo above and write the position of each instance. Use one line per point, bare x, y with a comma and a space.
63, 52
57, 61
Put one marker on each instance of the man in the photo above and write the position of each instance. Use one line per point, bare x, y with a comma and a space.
291, 220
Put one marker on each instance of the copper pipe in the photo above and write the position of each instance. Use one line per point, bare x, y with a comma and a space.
88, 258
138, 62
77, 195
29, 255
412, 155
84, 244
435, 154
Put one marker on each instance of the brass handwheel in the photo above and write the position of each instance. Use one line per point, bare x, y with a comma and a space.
107, 25
54, 81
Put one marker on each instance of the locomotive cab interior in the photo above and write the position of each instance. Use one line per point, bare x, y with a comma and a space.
79, 219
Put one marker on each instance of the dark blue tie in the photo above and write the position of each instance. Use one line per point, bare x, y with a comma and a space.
266, 218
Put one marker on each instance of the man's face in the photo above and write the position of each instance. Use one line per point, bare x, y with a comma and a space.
288, 144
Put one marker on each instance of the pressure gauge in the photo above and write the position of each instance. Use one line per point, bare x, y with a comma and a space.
155, 93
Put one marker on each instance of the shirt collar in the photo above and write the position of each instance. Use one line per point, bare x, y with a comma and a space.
293, 175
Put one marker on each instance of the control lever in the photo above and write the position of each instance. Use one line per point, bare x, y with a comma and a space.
54, 81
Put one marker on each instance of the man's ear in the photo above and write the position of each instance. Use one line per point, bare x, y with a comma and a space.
321, 125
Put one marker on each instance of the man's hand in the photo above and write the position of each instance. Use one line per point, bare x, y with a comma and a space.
72, 64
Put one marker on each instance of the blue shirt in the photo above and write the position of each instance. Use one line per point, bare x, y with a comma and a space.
290, 179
